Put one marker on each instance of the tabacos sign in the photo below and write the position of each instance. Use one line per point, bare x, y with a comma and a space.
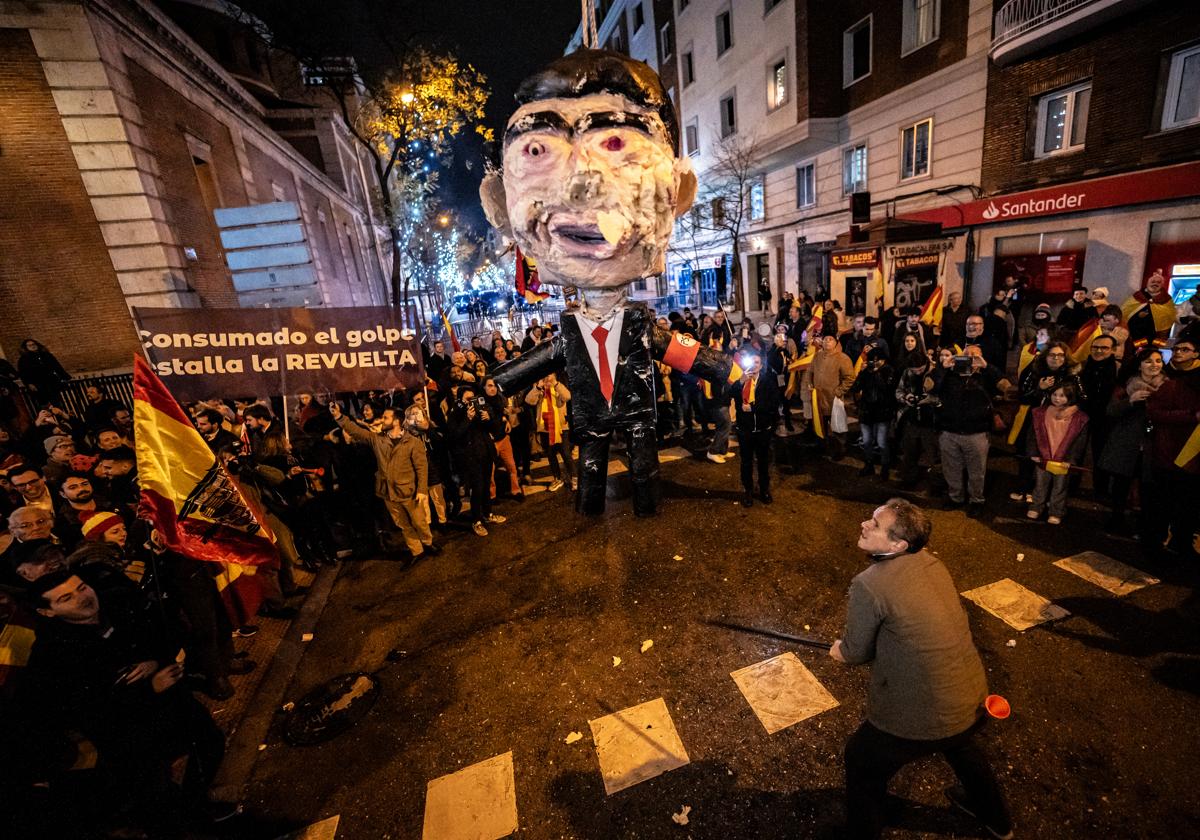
1162, 184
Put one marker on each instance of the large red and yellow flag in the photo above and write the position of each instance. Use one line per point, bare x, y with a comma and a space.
528, 284
931, 310
191, 499
1081, 342
449, 331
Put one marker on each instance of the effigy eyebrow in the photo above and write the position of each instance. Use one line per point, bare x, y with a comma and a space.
553, 121
537, 121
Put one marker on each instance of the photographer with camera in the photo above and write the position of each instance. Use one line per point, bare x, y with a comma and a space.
965, 385
473, 426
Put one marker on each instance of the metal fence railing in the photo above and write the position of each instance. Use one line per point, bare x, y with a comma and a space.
72, 394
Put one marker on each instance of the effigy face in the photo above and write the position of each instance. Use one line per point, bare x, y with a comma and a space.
591, 184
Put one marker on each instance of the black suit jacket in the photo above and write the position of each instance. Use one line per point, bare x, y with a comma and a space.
642, 343
763, 415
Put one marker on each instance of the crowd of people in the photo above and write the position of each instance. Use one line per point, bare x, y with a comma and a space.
107, 634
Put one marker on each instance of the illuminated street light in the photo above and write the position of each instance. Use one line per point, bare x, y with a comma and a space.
407, 97
443, 220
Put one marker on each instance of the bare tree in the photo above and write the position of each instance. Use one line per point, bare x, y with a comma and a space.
722, 209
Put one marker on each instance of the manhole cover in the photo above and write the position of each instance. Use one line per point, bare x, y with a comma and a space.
330, 709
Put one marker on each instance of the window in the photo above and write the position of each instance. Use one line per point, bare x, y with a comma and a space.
777, 84
1182, 104
666, 39
914, 149
920, 24
689, 67
728, 115
806, 185
639, 17
758, 199
724, 32
854, 169
856, 52
1062, 120
691, 138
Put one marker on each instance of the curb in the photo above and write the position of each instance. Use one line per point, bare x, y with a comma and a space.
241, 753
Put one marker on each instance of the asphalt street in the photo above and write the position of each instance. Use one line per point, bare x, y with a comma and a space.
507, 645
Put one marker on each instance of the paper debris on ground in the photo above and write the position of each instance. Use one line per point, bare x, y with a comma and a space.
307, 637
1011, 643
1015, 605
1105, 572
616, 661
262, 747
288, 706
574, 736
1020, 557
806, 627
682, 817
646, 645
677, 557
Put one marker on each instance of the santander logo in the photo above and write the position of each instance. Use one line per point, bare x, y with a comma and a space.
1033, 207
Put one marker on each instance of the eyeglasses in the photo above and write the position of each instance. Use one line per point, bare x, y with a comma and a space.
31, 481
1056, 355
1184, 350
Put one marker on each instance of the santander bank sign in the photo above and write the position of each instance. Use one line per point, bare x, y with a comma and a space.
1032, 206
1162, 184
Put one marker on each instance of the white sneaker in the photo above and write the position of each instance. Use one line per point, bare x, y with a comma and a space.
716, 459
479, 529
1016, 497
496, 519
556, 485
1032, 513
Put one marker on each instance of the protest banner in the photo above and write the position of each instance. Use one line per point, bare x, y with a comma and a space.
202, 353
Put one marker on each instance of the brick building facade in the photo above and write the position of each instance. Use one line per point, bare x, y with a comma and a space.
122, 135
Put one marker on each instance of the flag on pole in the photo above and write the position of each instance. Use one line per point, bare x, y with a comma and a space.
449, 331
528, 284
192, 501
931, 310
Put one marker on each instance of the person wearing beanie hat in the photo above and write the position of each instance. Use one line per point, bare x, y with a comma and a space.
1042, 319
104, 526
60, 449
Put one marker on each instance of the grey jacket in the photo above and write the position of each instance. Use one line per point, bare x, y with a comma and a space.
906, 620
402, 470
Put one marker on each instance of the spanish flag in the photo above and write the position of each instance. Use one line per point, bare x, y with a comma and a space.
931, 310
1028, 354
17, 636
818, 427
191, 499
862, 360
1081, 342
1191, 448
814, 325
450, 331
528, 285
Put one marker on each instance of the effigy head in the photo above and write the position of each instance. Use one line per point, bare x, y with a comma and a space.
591, 181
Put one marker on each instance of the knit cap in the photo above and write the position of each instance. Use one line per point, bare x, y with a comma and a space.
95, 525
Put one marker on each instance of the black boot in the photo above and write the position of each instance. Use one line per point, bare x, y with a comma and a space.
867, 469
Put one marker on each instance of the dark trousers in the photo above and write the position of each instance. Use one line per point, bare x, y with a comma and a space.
914, 441
642, 450
477, 475
874, 756
207, 638
755, 447
522, 449
555, 451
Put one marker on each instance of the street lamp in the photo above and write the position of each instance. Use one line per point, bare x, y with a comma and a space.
444, 219
407, 97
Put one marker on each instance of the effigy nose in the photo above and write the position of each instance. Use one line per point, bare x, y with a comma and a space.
583, 187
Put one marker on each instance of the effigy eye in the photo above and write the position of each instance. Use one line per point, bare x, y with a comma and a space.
613, 144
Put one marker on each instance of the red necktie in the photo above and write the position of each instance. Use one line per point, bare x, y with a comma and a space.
606, 384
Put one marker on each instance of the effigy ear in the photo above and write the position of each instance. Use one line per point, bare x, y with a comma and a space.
685, 186
495, 203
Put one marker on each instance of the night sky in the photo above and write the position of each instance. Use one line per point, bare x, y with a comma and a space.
506, 41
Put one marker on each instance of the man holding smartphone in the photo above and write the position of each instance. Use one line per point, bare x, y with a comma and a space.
965, 384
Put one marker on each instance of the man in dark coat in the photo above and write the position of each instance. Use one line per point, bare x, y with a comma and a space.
756, 397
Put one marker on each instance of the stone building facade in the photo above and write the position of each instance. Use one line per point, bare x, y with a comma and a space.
122, 134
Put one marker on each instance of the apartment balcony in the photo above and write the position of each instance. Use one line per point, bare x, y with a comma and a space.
1023, 27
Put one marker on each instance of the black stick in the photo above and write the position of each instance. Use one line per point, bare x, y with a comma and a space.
803, 640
